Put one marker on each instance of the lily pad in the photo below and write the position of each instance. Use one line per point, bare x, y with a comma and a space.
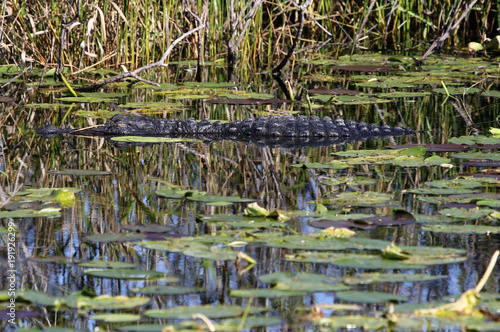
107, 264
108, 302
210, 311
114, 237
369, 278
212, 199
419, 258
462, 229
466, 214
128, 274
116, 318
266, 293
370, 297
167, 290
367, 198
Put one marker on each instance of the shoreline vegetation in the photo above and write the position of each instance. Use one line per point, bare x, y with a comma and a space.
130, 34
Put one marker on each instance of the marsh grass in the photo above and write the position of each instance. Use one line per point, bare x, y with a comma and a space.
133, 33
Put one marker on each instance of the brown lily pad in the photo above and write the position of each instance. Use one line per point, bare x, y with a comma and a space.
460, 206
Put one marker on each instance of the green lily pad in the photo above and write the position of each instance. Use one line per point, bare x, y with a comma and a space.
114, 237
462, 229
45, 213
369, 278
128, 274
308, 282
307, 242
108, 302
457, 90
367, 198
80, 172
174, 193
475, 140
477, 156
362, 323
466, 214
210, 311
437, 191
455, 183
116, 318
369, 297
167, 290
419, 258
232, 324
266, 293
107, 264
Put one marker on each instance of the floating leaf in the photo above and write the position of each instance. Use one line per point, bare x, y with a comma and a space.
466, 214
254, 210
107, 264
108, 302
475, 140
477, 156
462, 229
369, 297
266, 293
420, 257
369, 278
210, 311
212, 198
65, 198
167, 290
114, 237
128, 274
455, 183
232, 324
457, 90
367, 198
116, 318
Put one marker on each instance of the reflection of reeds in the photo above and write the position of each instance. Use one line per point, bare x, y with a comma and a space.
139, 31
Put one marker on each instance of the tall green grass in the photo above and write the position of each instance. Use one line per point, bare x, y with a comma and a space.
140, 30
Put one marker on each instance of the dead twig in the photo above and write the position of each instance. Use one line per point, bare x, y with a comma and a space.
283, 62
439, 42
159, 63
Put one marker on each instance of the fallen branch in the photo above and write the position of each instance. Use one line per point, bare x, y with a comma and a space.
439, 42
134, 73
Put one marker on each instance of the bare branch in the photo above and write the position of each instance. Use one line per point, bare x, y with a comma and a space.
283, 62
439, 42
135, 73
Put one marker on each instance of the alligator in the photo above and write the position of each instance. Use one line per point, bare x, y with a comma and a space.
274, 130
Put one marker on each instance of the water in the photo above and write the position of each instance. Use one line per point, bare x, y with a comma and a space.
225, 168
